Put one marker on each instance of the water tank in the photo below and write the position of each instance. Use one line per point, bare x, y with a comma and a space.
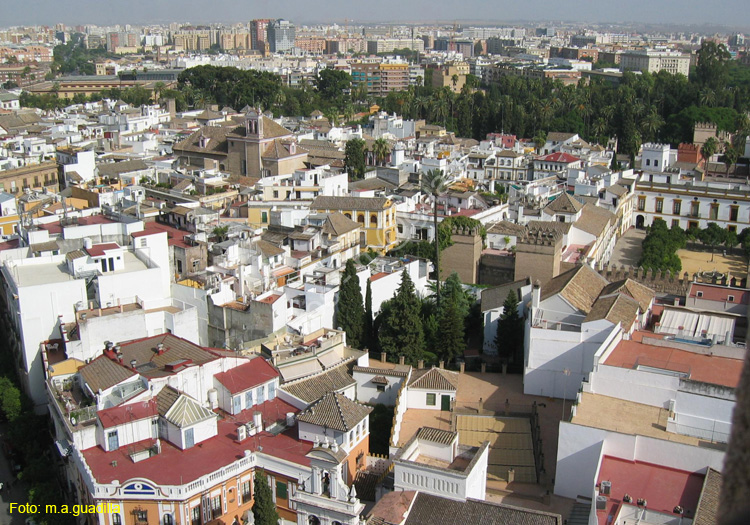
87, 243
213, 398
290, 419
258, 420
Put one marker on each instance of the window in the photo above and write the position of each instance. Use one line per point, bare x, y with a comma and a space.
659, 205
248, 399
430, 400
675, 223
641, 203
699, 294
400, 228
179, 266
374, 221
261, 394
236, 405
167, 519
264, 216
195, 517
116, 519
113, 442
216, 506
714, 213
730, 298
247, 493
141, 516
648, 162
143, 242
275, 194
271, 391
676, 207
281, 490
381, 388
656, 162
734, 212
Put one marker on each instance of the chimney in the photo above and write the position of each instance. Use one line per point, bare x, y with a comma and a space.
441, 364
401, 359
382, 357
133, 362
536, 294
420, 364
462, 367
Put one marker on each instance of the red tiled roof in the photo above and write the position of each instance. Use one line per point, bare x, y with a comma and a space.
663, 488
97, 250
175, 237
561, 157
719, 293
251, 374
177, 467
378, 275
120, 415
9, 245
706, 368
270, 299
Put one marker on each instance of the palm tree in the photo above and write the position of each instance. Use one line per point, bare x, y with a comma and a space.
651, 123
708, 149
730, 157
380, 150
708, 97
435, 183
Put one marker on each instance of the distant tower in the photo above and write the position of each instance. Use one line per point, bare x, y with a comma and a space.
538, 255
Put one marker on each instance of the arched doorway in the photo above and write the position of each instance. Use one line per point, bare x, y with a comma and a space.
640, 221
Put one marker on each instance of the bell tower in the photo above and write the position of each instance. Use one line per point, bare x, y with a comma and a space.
254, 124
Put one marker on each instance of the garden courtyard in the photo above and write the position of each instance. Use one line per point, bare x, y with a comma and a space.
694, 261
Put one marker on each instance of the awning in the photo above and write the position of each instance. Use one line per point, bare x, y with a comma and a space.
380, 380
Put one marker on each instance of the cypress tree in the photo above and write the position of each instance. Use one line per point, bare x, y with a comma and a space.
368, 316
264, 508
450, 342
509, 338
401, 331
351, 313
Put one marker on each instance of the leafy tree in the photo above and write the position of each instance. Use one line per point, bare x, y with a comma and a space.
400, 331
264, 509
509, 337
660, 247
354, 158
220, 232
434, 183
10, 399
368, 314
713, 235
453, 293
451, 343
712, 69
350, 315
332, 83
730, 157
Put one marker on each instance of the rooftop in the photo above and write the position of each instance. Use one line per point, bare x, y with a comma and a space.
180, 467
712, 369
426, 507
663, 488
632, 418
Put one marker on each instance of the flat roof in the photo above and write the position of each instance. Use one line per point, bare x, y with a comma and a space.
55, 227
632, 418
39, 274
712, 369
663, 488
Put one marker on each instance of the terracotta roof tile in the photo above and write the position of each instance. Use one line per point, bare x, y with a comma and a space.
579, 286
314, 387
103, 373
436, 435
251, 374
434, 379
454, 512
335, 411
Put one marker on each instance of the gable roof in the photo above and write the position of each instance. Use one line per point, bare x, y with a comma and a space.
507, 228
579, 286
314, 387
594, 219
557, 136
434, 379
217, 143
707, 512
560, 158
615, 308
120, 415
166, 397
334, 411
186, 411
268, 249
251, 374
103, 373
176, 354
338, 224
436, 435
112, 169
564, 203
643, 294
455, 512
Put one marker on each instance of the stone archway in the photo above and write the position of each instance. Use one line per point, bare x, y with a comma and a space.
640, 221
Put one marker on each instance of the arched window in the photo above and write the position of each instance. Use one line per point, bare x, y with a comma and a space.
374, 220
167, 519
361, 218
116, 519
313, 520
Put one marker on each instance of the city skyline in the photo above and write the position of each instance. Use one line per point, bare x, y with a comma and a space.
730, 13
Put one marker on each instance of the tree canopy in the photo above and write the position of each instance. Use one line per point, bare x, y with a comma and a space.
400, 331
350, 313
264, 509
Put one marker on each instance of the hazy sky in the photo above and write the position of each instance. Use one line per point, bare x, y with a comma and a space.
730, 12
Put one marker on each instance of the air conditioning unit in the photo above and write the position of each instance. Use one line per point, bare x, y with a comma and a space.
241, 433
605, 487
601, 502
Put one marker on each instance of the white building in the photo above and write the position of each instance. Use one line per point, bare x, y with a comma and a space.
653, 61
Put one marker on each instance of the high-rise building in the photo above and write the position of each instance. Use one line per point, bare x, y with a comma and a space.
281, 34
258, 28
